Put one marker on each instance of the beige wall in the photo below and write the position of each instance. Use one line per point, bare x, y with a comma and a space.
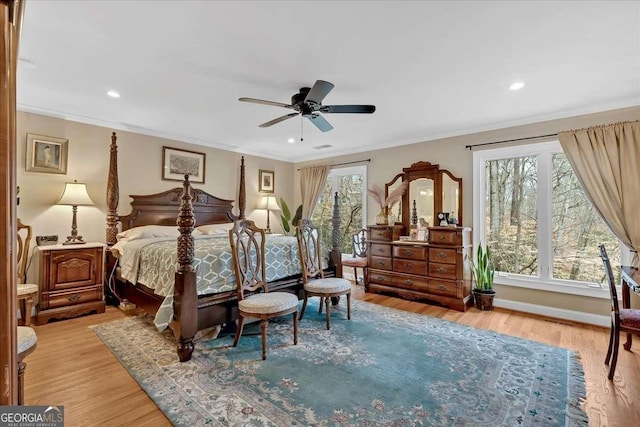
451, 154
139, 169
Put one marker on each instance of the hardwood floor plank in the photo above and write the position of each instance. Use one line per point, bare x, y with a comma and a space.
72, 367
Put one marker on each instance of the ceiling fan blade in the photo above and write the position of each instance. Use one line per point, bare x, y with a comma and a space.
319, 90
262, 101
363, 109
320, 122
278, 120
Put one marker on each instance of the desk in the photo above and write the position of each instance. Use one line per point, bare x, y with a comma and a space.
630, 282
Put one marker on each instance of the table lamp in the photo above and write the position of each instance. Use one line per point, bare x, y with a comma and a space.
270, 204
74, 195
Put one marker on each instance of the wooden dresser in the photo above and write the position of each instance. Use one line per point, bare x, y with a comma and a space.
71, 280
437, 270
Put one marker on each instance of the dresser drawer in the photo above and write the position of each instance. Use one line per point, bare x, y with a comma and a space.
444, 236
442, 255
380, 234
445, 288
380, 249
72, 296
411, 282
444, 271
410, 252
382, 277
381, 263
409, 266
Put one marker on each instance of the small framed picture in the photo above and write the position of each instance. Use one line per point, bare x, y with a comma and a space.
46, 154
177, 163
266, 181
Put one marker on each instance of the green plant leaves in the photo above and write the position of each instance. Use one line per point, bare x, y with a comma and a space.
287, 223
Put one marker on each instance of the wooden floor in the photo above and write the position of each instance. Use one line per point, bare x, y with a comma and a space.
71, 366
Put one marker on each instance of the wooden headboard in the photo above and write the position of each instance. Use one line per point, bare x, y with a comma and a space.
163, 208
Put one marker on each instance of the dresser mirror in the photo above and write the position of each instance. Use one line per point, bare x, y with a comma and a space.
431, 190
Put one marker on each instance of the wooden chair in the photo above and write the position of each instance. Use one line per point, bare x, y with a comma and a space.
247, 249
311, 263
359, 257
622, 319
26, 344
26, 291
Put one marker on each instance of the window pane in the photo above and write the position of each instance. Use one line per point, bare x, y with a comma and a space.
577, 229
350, 195
511, 214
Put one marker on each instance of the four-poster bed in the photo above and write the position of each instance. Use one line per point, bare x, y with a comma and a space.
187, 207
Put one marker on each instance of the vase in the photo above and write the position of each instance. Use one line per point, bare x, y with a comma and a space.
382, 218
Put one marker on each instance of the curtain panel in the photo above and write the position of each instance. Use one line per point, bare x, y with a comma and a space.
606, 160
312, 182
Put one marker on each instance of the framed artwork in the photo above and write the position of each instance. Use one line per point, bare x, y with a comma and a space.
46, 154
177, 163
266, 181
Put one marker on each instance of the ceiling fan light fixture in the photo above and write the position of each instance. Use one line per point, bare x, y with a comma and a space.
516, 86
291, 140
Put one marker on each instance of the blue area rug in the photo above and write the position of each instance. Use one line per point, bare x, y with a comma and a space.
384, 367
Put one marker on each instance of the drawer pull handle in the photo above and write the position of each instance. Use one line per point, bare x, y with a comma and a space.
380, 278
442, 237
442, 270
73, 298
380, 250
408, 252
442, 287
442, 255
408, 282
408, 266
380, 262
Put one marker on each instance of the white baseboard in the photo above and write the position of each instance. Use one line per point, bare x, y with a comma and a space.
558, 313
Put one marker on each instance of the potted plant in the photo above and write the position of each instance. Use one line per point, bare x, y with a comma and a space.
289, 224
483, 271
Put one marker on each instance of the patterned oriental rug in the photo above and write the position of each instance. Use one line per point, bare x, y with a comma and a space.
384, 367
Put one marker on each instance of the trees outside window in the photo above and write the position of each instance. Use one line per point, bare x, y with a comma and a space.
350, 184
534, 215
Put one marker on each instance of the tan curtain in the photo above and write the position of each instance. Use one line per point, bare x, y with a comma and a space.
312, 182
606, 160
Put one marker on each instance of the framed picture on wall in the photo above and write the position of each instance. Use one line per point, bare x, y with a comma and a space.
266, 181
46, 154
177, 163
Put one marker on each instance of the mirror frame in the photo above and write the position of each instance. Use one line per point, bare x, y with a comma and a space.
424, 170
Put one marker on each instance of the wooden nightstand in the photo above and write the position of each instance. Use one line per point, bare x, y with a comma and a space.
71, 280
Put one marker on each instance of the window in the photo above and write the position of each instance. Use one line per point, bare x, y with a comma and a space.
543, 231
350, 184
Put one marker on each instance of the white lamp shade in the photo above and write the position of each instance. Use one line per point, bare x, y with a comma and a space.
75, 194
269, 202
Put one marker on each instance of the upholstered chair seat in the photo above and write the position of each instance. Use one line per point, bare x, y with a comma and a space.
273, 302
328, 285
26, 344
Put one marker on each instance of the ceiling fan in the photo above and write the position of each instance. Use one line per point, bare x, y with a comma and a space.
308, 103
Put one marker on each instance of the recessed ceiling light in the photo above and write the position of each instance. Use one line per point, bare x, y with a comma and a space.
516, 85
113, 94
291, 140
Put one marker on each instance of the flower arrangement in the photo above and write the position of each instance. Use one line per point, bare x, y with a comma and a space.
386, 203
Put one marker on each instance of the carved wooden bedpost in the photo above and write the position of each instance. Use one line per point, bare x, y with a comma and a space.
113, 193
242, 195
184, 293
336, 238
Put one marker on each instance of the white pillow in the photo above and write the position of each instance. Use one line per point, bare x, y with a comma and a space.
215, 228
148, 231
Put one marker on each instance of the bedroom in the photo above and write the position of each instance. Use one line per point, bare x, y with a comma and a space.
88, 163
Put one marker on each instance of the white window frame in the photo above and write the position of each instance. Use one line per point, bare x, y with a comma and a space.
351, 170
544, 152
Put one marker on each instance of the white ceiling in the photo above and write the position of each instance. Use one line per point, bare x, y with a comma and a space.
433, 69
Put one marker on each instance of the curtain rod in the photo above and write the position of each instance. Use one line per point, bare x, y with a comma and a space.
346, 163
471, 147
